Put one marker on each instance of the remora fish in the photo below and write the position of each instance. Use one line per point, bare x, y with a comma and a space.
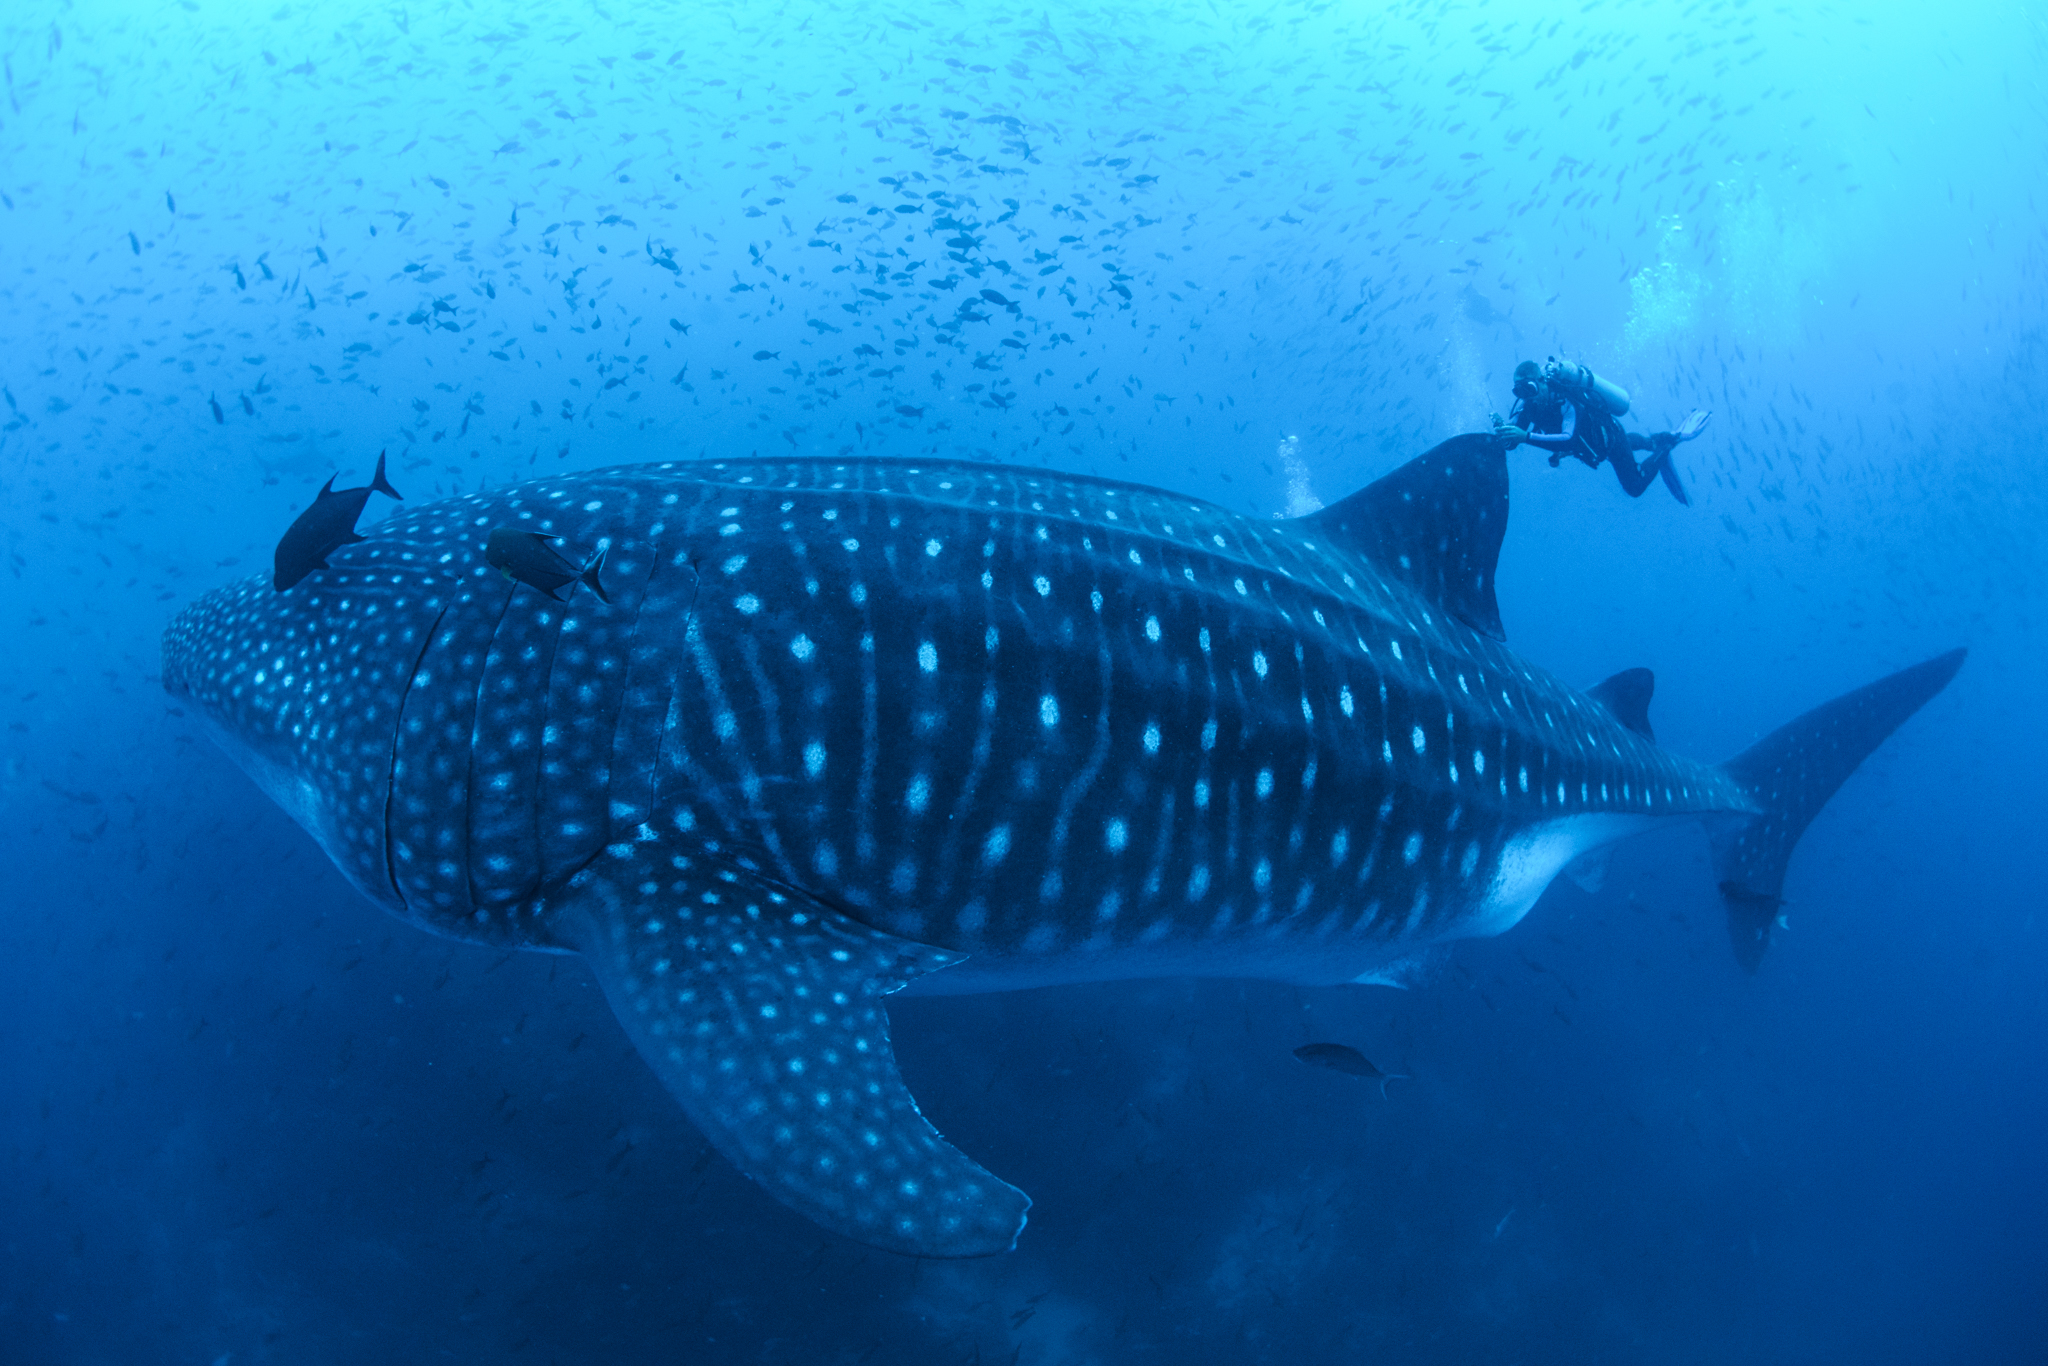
325, 527
851, 727
526, 556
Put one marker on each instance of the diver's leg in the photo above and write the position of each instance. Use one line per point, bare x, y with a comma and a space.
1660, 464
1634, 480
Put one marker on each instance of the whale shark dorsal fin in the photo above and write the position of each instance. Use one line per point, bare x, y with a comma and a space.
1436, 525
761, 1011
1627, 697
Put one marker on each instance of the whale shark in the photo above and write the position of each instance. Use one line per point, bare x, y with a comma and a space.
847, 728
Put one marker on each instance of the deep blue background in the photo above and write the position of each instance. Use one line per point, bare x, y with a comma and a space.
246, 1118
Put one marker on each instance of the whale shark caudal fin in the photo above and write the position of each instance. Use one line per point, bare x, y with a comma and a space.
1790, 774
761, 1011
1436, 524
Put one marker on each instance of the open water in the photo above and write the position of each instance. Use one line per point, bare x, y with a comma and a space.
1259, 254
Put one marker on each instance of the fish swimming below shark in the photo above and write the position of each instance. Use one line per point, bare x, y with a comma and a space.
1342, 1057
848, 728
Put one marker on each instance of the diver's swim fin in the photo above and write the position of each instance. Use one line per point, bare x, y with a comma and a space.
1693, 424
1668, 472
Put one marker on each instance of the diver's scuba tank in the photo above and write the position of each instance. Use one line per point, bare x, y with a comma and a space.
1575, 376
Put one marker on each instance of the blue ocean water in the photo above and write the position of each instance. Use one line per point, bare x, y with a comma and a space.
1260, 255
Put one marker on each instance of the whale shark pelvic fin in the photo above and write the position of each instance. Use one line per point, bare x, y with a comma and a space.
761, 1011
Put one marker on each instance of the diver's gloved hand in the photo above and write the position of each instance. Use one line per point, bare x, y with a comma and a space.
1693, 425
1510, 433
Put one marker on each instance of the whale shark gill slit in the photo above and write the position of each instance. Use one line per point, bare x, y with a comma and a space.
647, 715
397, 736
480, 892
672, 717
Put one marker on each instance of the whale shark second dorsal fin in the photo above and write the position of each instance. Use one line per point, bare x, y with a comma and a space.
1436, 525
1627, 697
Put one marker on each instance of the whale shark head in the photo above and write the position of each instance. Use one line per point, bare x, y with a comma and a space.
304, 706
225, 657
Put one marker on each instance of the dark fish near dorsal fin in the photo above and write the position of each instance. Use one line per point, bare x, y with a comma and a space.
1627, 696
379, 484
324, 528
527, 557
588, 575
1435, 524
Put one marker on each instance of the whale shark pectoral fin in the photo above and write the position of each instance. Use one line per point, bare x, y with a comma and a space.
761, 1011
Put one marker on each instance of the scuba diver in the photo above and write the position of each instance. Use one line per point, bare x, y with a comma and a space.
1569, 410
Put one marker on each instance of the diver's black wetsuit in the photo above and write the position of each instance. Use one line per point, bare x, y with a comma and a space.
1587, 430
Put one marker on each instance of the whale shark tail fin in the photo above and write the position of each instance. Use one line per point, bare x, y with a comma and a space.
761, 1011
1790, 774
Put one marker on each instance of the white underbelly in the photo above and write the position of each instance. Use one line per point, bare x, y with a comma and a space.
1533, 858
1273, 956
1293, 950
